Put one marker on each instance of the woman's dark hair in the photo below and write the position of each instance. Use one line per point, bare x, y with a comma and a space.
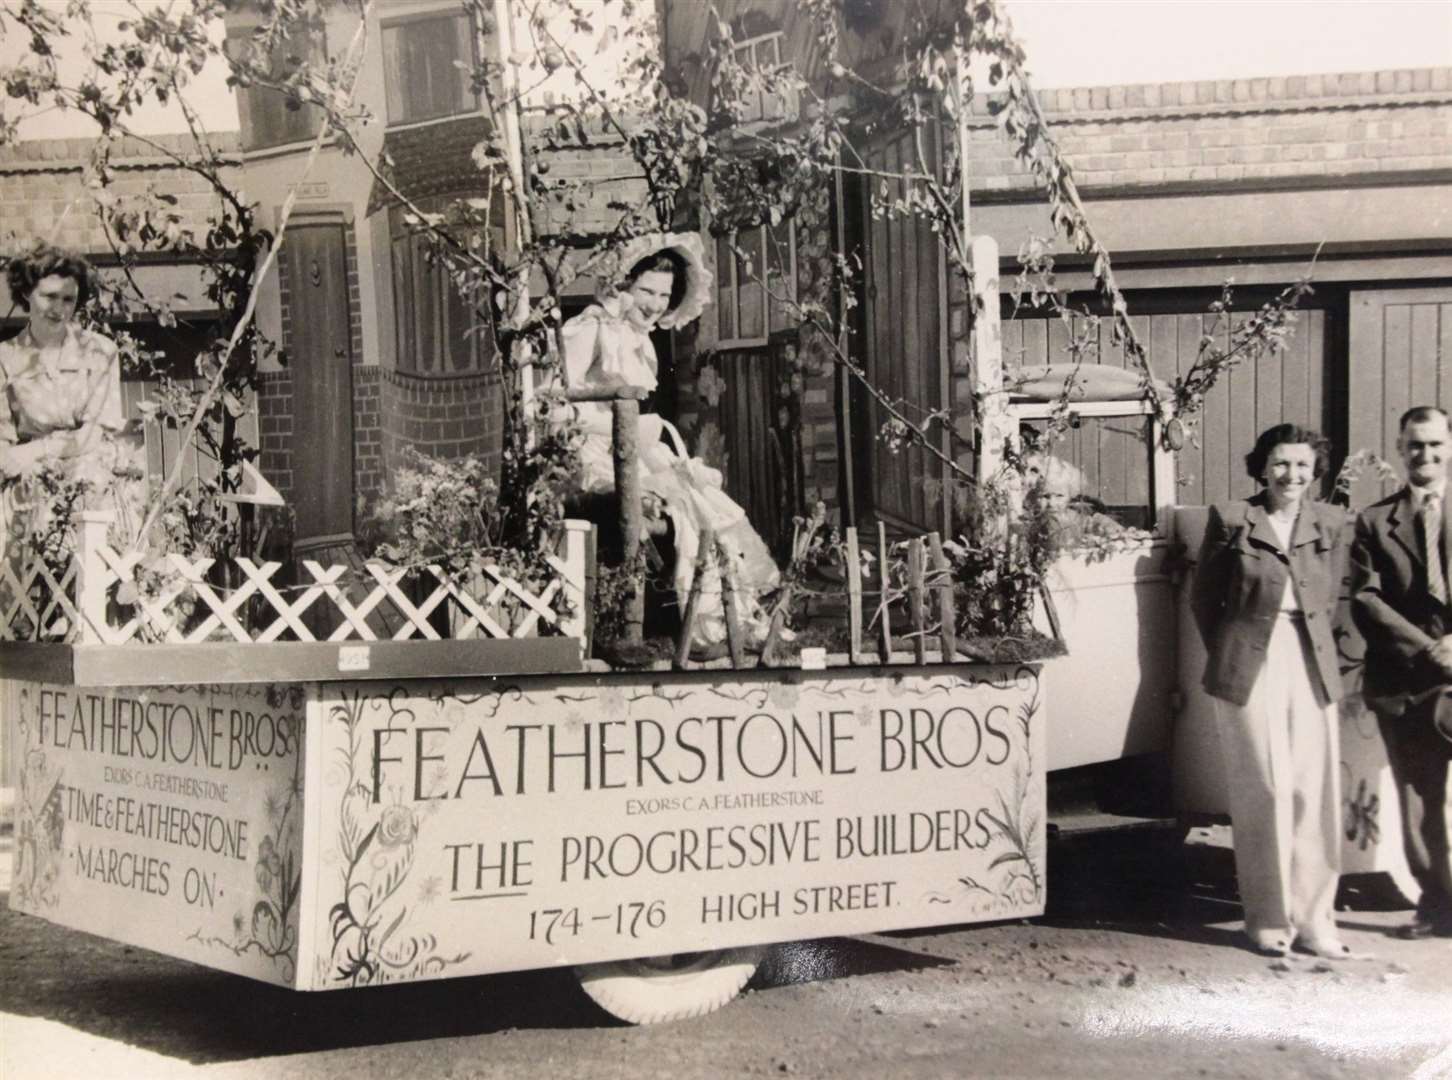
666, 260
25, 272
1280, 435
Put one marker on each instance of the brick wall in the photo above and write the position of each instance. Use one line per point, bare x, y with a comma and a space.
960, 384
443, 417
43, 194
274, 425
368, 471
584, 188
1314, 128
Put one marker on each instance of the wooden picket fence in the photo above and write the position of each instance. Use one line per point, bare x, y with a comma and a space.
74, 601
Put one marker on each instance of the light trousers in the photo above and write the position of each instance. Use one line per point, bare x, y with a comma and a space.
1282, 759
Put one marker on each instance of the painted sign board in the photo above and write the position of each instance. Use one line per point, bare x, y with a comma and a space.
471, 827
337, 834
169, 818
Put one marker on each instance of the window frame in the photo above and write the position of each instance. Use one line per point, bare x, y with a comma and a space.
414, 268
737, 340
1161, 462
397, 112
746, 53
298, 125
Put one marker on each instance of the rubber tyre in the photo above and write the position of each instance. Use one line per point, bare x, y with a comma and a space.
658, 989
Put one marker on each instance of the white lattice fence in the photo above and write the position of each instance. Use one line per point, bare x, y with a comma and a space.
38, 600
334, 603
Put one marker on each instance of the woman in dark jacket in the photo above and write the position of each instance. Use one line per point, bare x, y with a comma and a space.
1267, 588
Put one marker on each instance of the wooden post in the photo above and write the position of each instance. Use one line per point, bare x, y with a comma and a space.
728, 607
998, 425
774, 628
693, 598
576, 540
961, 75
947, 607
592, 581
842, 381
884, 577
625, 431
916, 598
91, 574
854, 597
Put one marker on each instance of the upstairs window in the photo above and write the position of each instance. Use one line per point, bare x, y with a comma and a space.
763, 53
755, 284
273, 117
427, 61
438, 330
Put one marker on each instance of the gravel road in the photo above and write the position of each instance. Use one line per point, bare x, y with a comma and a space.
1135, 973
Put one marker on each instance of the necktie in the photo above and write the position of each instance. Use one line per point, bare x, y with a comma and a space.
1431, 522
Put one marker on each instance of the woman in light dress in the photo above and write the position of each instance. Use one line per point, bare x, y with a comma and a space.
664, 283
60, 395
1265, 596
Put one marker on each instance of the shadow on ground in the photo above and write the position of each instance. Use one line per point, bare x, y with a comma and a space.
203, 1016
1148, 882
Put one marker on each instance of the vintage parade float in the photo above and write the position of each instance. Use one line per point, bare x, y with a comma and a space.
464, 753
326, 811
330, 776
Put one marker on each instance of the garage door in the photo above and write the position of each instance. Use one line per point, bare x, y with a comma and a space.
1400, 344
1289, 387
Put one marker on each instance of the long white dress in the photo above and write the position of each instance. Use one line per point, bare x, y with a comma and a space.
600, 343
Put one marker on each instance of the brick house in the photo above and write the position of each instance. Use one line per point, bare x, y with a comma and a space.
378, 351
1188, 184
381, 353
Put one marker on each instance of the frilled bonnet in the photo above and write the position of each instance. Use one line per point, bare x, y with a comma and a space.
699, 280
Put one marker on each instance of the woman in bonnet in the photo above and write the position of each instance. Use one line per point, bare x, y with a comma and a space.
664, 283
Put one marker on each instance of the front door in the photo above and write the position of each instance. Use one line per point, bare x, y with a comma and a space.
321, 363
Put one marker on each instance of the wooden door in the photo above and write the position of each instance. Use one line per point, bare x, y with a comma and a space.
1400, 346
320, 359
761, 432
901, 350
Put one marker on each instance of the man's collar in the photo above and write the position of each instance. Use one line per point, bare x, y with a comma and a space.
1419, 494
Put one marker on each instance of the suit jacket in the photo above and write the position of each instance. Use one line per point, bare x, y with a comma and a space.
1241, 577
1391, 604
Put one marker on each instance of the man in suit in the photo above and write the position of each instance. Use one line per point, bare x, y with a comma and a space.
1400, 600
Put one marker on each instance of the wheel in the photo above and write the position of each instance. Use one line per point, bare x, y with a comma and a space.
660, 988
